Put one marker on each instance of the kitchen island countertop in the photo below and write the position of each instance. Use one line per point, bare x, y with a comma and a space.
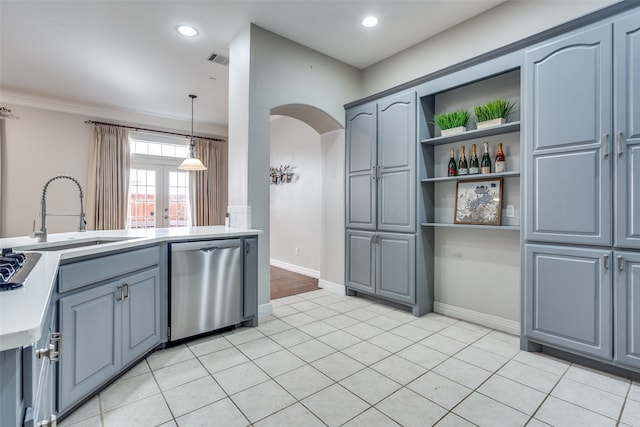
23, 311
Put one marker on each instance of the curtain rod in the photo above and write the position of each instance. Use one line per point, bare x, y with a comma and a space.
152, 130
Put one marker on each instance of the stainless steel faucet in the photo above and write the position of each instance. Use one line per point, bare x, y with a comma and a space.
42, 233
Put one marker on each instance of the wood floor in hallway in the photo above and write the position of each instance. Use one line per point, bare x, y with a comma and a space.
285, 283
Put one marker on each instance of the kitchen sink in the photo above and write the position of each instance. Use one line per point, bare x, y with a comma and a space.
71, 244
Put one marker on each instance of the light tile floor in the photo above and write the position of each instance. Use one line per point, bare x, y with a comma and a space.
324, 359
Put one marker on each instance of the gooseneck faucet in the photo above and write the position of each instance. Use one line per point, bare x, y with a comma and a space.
42, 233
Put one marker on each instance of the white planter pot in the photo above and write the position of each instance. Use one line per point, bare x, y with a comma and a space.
453, 131
491, 123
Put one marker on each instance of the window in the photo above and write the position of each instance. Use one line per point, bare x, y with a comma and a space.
158, 190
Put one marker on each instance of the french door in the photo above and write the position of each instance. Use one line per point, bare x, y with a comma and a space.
158, 196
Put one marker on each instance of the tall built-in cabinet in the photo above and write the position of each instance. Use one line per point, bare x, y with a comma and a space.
582, 206
381, 201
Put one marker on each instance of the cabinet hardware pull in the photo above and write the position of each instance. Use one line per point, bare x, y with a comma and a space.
606, 145
247, 248
373, 172
619, 263
49, 352
378, 172
606, 262
119, 296
126, 290
619, 143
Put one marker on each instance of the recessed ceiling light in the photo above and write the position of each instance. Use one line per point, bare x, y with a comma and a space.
370, 21
187, 30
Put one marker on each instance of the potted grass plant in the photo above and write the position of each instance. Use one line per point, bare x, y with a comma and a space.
493, 113
453, 122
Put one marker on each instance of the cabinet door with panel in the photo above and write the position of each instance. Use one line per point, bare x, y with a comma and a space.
395, 267
568, 96
568, 299
627, 130
91, 344
396, 163
361, 167
140, 313
361, 273
627, 295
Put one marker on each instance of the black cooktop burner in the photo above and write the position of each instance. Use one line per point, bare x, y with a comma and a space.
15, 268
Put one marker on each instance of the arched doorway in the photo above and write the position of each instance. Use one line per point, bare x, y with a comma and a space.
307, 213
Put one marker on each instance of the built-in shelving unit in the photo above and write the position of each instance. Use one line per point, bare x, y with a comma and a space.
474, 134
439, 189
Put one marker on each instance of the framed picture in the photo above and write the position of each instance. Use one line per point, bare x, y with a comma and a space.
479, 202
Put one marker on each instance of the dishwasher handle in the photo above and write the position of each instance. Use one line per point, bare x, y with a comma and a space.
206, 245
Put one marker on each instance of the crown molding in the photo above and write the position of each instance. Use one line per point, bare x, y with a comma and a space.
129, 117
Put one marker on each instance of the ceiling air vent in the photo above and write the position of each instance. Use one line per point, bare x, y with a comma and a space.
218, 59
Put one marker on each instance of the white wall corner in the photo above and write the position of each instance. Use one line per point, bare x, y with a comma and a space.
487, 320
331, 286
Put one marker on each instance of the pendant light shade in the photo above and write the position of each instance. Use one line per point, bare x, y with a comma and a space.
191, 163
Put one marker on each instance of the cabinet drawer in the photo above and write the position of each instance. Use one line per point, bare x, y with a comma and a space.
73, 276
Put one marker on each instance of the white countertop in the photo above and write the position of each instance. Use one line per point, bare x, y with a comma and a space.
23, 311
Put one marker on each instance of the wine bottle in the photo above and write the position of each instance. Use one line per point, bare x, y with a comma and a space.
485, 165
473, 163
452, 169
462, 163
500, 163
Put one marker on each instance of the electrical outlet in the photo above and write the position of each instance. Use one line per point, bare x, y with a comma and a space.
510, 211
297, 251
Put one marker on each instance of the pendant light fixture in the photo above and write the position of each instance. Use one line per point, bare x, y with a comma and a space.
191, 163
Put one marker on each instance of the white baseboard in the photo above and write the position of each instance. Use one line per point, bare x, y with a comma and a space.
331, 286
488, 320
295, 268
264, 310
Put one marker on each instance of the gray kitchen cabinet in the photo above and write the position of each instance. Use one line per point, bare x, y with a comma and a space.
109, 316
582, 172
39, 375
250, 282
91, 349
627, 296
568, 298
381, 141
382, 264
140, 314
395, 171
361, 167
568, 99
381, 198
626, 83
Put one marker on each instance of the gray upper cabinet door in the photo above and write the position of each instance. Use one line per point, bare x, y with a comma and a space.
627, 293
627, 130
395, 267
361, 261
568, 93
396, 159
361, 167
90, 354
568, 299
141, 314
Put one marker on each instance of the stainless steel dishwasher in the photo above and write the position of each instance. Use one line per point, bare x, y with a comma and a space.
205, 288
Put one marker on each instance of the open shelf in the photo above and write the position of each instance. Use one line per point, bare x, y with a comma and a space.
485, 227
474, 134
472, 177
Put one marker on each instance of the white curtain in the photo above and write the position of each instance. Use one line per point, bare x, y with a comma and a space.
108, 187
204, 186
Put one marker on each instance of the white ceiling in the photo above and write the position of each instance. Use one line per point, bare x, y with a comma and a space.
126, 55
